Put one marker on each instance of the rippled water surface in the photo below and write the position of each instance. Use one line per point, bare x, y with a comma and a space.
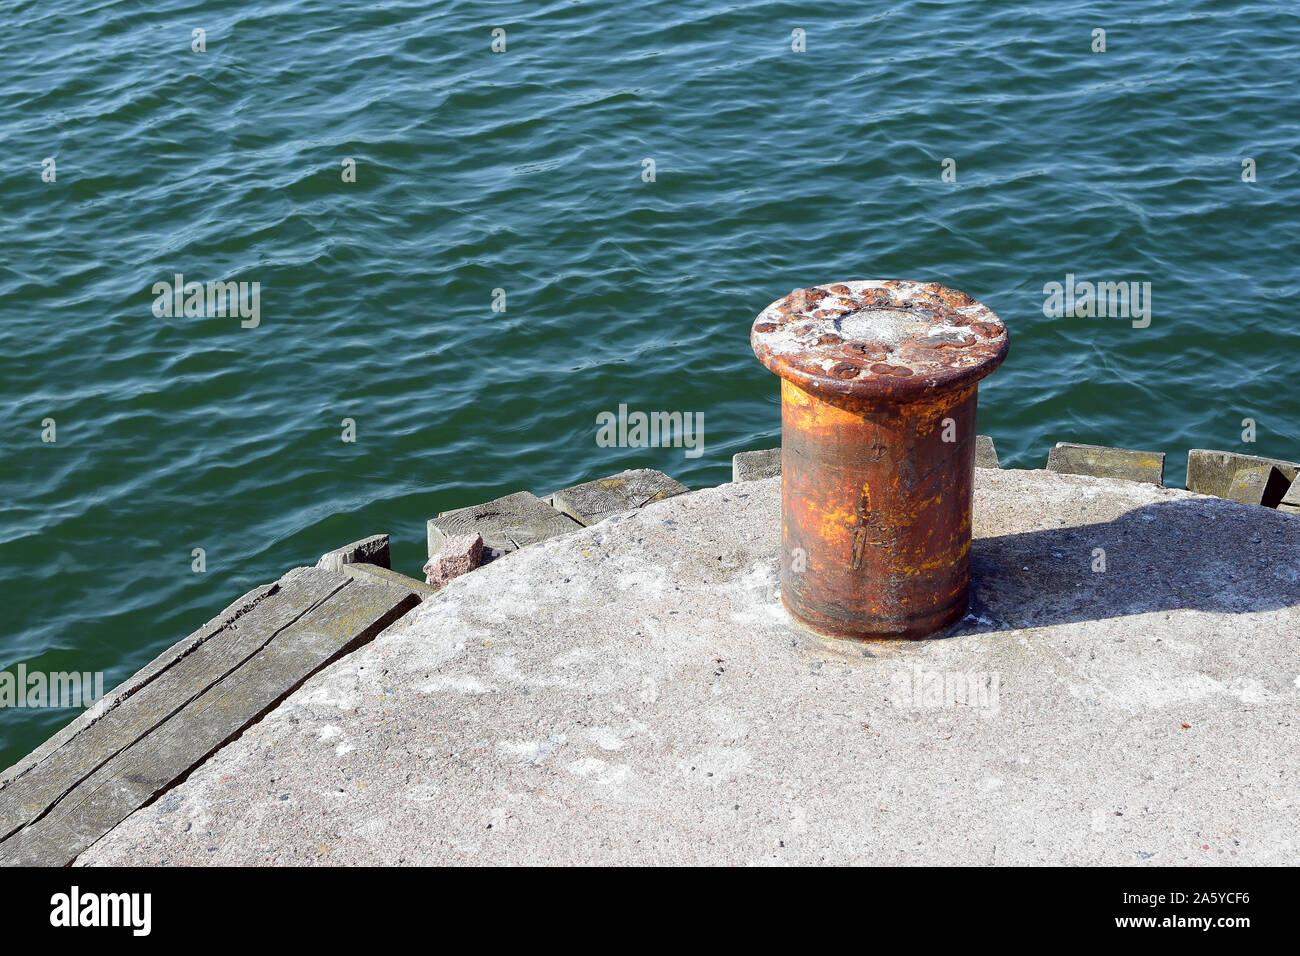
523, 171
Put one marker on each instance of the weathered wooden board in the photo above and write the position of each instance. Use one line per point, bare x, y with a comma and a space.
755, 465
130, 686
506, 524
1259, 485
155, 693
1069, 458
1291, 500
986, 455
372, 550
388, 576
191, 708
593, 501
1211, 472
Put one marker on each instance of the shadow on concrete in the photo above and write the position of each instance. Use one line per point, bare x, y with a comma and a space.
1203, 555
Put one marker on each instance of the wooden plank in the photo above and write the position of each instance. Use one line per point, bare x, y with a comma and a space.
506, 524
1291, 500
372, 550
593, 501
986, 455
1211, 472
1099, 461
132, 684
351, 615
157, 691
1258, 485
756, 465
388, 576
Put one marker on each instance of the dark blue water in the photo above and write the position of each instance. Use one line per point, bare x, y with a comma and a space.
523, 171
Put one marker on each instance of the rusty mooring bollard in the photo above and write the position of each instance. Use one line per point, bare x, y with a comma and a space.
878, 387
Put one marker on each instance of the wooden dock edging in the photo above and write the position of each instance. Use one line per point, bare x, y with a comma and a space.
147, 734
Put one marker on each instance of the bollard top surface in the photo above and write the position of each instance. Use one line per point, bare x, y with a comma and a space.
882, 339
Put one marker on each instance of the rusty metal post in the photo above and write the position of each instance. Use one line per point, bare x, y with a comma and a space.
878, 388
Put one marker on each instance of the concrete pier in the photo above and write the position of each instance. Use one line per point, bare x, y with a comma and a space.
1124, 691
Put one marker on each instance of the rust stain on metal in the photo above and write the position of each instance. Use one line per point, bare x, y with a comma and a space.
875, 501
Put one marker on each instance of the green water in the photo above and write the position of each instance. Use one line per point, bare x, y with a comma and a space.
524, 171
